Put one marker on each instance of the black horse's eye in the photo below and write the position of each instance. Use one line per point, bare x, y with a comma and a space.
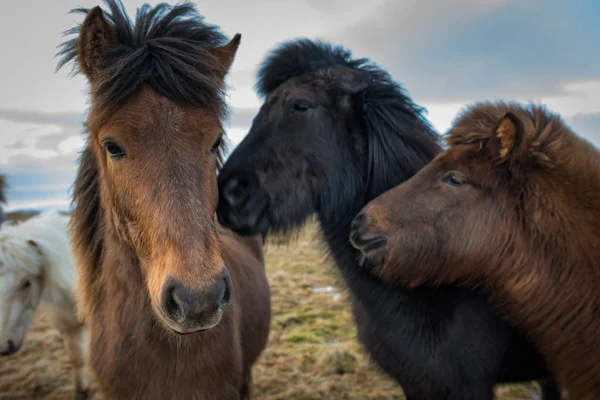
26, 284
453, 179
216, 145
113, 150
301, 106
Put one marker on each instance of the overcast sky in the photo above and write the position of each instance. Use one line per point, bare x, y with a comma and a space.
447, 53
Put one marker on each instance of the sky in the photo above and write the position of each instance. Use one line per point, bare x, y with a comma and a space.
446, 53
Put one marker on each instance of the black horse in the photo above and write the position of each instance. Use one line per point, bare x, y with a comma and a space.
333, 133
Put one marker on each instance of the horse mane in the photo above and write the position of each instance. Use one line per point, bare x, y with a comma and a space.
3, 189
545, 134
400, 140
42, 236
167, 47
86, 231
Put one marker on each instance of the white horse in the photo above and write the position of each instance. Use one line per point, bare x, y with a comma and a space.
37, 268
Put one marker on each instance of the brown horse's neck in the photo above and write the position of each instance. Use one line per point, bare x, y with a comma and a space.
133, 355
543, 287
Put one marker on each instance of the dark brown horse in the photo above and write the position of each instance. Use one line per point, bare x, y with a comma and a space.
333, 133
513, 207
2, 198
178, 308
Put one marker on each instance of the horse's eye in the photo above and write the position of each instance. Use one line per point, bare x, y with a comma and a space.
216, 145
26, 284
301, 106
454, 179
113, 150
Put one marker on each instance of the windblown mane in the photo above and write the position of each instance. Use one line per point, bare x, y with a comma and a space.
400, 139
167, 47
3, 189
543, 130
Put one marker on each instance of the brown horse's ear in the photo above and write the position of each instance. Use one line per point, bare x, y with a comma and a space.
349, 80
508, 134
226, 54
96, 36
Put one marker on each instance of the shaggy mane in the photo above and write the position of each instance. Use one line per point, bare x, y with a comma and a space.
398, 134
3, 189
167, 47
544, 132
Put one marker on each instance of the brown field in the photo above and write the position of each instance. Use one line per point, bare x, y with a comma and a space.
312, 353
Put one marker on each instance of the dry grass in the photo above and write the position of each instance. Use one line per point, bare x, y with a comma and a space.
312, 352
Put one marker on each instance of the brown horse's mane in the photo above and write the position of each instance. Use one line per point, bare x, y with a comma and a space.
552, 265
169, 49
166, 47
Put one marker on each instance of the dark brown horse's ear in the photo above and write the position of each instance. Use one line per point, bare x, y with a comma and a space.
96, 36
508, 134
349, 80
226, 54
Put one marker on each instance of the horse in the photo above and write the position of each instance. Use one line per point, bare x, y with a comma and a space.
37, 271
178, 307
2, 198
511, 207
333, 133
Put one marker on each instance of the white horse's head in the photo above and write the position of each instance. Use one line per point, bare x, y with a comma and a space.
21, 284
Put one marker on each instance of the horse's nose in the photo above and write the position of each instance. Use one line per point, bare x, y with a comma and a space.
197, 308
10, 348
235, 190
365, 237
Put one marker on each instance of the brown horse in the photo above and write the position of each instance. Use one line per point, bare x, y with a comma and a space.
513, 206
178, 308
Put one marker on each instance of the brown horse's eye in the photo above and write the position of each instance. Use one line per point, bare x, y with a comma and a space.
453, 179
216, 145
113, 149
25, 285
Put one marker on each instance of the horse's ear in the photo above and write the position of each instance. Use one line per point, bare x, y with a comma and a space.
349, 80
96, 36
226, 54
508, 135
35, 246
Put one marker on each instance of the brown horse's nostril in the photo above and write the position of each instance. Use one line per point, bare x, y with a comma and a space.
198, 306
11, 348
363, 237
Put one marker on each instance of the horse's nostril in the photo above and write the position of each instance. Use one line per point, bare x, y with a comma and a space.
227, 292
11, 348
234, 191
363, 237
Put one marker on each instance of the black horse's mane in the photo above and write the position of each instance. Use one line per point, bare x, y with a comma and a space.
168, 47
400, 139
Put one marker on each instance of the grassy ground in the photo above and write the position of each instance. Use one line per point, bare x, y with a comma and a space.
312, 353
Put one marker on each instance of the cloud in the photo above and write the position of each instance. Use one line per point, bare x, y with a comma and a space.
464, 51
587, 125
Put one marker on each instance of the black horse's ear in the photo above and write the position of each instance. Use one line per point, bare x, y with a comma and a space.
96, 36
226, 54
349, 80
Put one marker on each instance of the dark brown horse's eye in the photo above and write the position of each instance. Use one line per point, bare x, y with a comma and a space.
113, 150
26, 284
454, 179
216, 145
301, 106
